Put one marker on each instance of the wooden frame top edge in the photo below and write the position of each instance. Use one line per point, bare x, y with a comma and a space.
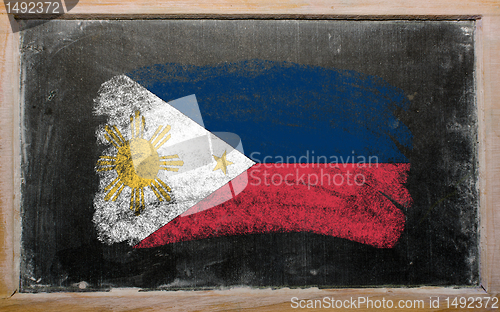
285, 7
248, 17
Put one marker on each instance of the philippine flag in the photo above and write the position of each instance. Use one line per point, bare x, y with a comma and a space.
324, 154
159, 163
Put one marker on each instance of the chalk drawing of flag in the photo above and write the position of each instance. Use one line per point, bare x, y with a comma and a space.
327, 146
159, 162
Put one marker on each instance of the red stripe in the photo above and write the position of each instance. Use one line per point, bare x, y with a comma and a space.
311, 199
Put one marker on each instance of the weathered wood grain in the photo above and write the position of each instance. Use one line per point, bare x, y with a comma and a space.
301, 7
490, 140
9, 97
239, 299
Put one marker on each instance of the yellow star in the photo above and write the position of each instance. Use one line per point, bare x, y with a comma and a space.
222, 163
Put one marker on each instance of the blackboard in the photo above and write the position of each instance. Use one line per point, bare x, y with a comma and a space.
65, 64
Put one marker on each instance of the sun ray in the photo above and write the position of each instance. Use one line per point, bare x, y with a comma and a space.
106, 168
162, 191
137, 195
132, 199
172, 163
111, 184
137, 130
131, 126
142, 199
107, 157
165, 186
118, 192
106, 162
143, 126
155, 191
163, 142
114, 136
170, 156
119, 134
111, 141
161, 135
169, 169
156, 132
112, 191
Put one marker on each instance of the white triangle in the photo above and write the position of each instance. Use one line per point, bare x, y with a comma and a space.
119, 98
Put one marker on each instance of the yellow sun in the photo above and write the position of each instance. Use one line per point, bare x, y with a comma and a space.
137, 163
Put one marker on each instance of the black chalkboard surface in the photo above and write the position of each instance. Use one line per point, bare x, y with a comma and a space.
400, 92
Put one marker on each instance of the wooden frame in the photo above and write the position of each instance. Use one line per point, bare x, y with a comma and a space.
488, 77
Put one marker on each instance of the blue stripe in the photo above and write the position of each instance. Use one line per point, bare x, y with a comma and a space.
286, 109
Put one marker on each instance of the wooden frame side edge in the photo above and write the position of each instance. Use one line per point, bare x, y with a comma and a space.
9, 233
489, 153
481, 133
